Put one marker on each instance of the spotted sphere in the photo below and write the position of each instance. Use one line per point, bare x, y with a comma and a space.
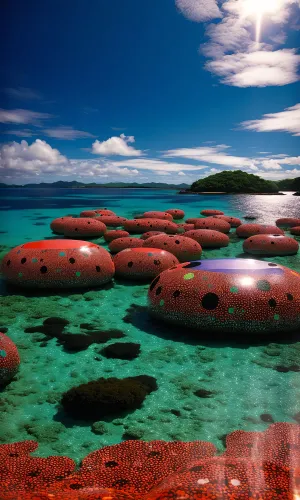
208, 213
9, 359
213, 223
176, 213
121, 243
244, 296
111, 220
270, 244
58, 264
84, 227
57, 225
208, 238
246, 230
104, 211
143, 263
144, 225
157, 215
88, 213
114, 234
182, 247
233, 221
288, 222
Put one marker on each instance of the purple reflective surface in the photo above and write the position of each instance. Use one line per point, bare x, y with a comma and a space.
235, 266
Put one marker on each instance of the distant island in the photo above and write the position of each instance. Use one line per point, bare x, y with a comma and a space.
239, 182
79, 185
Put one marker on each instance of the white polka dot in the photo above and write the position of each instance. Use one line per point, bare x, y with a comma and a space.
235, 482
203, 481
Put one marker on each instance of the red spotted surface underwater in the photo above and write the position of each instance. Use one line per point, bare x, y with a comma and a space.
164, 334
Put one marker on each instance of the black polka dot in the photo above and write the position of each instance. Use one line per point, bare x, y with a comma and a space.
72, 260
176, 294
154, 283
272, 242
154, 454
43, 269
23, 260
177, 242
88, 222
158, 290
130, 264
111, 464
271, 264
197, 468
272, 303
8, 262
210, 301
75, 486
192, 264
157, 262
76, 228
98, 269
289, 296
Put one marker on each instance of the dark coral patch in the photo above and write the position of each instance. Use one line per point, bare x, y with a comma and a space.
122, 350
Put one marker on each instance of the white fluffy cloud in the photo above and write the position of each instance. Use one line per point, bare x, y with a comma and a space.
157, 165
216, 155
38, 157
66, 133
22, 116
199, 10
284, 121
116, 146
257, 69
235, 55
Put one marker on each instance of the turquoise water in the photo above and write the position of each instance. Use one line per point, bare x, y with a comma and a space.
247, 392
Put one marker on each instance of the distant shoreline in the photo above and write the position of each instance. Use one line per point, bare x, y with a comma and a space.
225, 193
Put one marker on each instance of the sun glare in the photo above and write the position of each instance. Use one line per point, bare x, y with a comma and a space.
258, 9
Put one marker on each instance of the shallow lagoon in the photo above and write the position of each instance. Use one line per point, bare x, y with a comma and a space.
247, 391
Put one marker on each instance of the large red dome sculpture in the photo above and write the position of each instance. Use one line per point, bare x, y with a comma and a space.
143, 263
270, 244
84, 227
58, 263
182, 247
144, 225
213, 223
242, 296
246, 230
255, 466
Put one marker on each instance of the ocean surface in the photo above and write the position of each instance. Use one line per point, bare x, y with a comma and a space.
246, 389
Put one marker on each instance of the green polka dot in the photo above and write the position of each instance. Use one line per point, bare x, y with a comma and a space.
150, 254
58, 270
231, 310
3, 354
161, 302
62, 254
34, 260
188, 276
234, 289
78, 273
263, 285
276, 317
20, 275
210, 285
205, 278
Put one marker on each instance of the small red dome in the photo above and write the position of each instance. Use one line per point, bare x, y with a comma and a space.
182, 247
9, 359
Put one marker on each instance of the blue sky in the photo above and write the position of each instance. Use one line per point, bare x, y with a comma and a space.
165, 91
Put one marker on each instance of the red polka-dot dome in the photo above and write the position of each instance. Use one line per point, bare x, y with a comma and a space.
115, 234
209, 212
233, 221
88, 213
245, 296
84, 227
150, 233
270, 244
208, 238
182, 247
143, 263
145, 225
213, 223
9, 359
111, 220
176, 213
104, 211
58, 264
246, 230
121, 243
288, 222
157, 215
58, 225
